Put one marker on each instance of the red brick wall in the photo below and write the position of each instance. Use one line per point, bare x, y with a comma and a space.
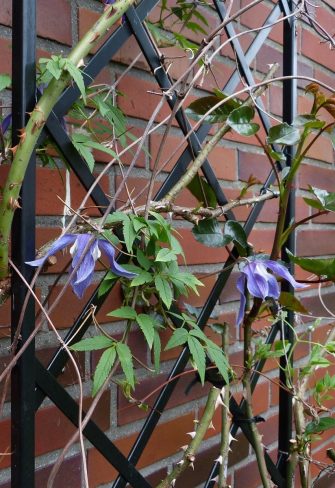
60, 23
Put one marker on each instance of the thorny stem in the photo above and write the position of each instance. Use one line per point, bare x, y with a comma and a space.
226, 421
37, 120
200, 431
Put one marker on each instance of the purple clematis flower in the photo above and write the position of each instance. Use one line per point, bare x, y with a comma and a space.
260, 282
84, 264
5, 124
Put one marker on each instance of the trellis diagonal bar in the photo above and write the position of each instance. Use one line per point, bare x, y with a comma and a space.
23, 249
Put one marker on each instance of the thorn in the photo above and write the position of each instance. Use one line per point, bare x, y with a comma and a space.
192, 434
183, 448
219, 400
181, 462
14, 149
211, 425
192, 465
231, 438
216, 479
219, 459
173, 482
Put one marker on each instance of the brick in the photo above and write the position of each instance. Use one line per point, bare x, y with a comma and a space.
137, 101
5, 446
6, 56
248, 476
307, 245
50, 184
196, 253
223, 162
322, 149
69, 475
314, 49
173, 433
323, 178
254, 17
48, 21
74, 306
276, 99
53, 19
269, 55
314, 305
167, 151
253, 164
262, 239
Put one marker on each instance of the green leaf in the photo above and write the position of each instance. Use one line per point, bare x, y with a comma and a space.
218, 357
209, 233
235, 230
165, 255
77, 76
314, 203
124, 313
92, 344
200, 107
142, 278
164, 290
157, 351
308, 121
103, 369
108, 282
283, 134
147, 325
5, 81
126, 361
198, 356
320, 267
239, 121
80, 143
320, 425
202, 191
129, 234
178, 338
291, 302
143, 260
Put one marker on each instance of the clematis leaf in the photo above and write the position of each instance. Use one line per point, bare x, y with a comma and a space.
92, 344
198, 356
126, 361
147, 326
103, 369
124, 313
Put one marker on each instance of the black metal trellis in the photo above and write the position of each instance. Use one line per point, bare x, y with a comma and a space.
31, 382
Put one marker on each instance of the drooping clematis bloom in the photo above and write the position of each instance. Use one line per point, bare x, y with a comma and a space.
84, 264
260, 283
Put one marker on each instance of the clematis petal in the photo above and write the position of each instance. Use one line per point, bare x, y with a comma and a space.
256, 279
283, 272
87, 265
274, 291
62, 242
108, 249
79, 247
80, 287
241, 288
